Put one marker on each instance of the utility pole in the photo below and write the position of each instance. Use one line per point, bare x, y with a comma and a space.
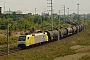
9, 10
7, 39
78, 18
51, 12
68, 12
35, 11
44, 11
59, 27
42, 21
8, 36
0, 12
64, 13
84, 22
4, 6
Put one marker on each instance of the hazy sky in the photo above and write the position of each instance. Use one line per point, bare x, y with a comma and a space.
41, 5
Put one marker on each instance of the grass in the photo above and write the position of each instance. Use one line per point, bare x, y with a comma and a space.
86, 57
43, 53
12, 42
11, 47
2, 31
52, 50
12, 39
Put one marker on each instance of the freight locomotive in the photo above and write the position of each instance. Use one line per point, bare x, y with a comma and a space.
47, 36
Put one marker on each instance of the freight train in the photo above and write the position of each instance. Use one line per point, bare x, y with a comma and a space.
47, 36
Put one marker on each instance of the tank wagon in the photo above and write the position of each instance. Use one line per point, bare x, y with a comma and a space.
47, 36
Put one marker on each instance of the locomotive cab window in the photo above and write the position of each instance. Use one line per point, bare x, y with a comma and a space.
22, 38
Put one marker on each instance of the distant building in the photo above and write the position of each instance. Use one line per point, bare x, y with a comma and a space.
55, 15
11, 12
88, 16
18, 12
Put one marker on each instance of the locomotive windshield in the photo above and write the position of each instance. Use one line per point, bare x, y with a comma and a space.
22, 38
